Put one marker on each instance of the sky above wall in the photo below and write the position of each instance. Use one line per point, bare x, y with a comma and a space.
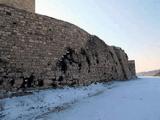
133, 25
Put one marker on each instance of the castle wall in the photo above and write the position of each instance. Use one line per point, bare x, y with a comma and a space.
38, 51
132, 67
28, 5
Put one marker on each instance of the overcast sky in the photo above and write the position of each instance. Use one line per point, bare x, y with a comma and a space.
133, 25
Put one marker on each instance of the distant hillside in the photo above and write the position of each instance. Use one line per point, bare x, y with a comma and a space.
150, 73
158, 74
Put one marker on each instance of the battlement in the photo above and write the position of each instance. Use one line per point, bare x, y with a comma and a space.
28, 5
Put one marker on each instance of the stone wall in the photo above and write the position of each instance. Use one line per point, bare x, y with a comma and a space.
132, 68
28, 5
38, 51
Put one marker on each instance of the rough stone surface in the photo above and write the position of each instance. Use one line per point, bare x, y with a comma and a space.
132, 68
38, 51
28, 5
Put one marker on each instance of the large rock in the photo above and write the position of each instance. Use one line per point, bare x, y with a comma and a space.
39, 51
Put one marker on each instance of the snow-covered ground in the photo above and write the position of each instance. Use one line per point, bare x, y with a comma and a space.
129, 100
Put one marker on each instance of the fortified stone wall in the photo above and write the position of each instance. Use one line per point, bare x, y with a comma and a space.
38, 51
28, 5
132, 67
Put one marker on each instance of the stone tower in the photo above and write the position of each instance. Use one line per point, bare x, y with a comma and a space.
28, 5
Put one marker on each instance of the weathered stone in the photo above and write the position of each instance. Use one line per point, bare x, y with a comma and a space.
119, 75
132, 68
123, 59
47, 83
44, 52
28, 5
18, 83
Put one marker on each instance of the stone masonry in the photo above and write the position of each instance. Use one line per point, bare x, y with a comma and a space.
39, 52
28, 5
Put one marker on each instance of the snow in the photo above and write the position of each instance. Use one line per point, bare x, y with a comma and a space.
128, 100
31, 106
